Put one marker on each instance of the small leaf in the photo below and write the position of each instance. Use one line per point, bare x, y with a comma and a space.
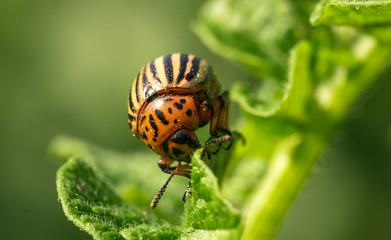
289, 99
263, 101
300, 87
90, 202
206, 208
352, 12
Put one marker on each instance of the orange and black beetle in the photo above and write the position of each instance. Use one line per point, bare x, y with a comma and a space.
171, 97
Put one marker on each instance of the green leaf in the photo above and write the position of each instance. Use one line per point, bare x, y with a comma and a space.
231, 28
91, 203
127, 172
105, 193
352, 12
299, 91
264, 101
257, 34
293, 96
206, 208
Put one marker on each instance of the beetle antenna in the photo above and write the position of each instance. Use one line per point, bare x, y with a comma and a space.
163, 189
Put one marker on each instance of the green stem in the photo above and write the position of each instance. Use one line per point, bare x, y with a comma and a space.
287, 172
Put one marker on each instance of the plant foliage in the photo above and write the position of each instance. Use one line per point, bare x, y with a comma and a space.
312, 61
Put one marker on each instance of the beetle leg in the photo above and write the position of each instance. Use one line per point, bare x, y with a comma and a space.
222, 123
207, 152
229, 133
218, 141
218, 122
183, 170
218, 115
210, 142
218, 106
206, 113
231, 140
186, 192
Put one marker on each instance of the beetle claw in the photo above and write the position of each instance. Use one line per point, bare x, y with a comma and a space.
239, 135
207, 152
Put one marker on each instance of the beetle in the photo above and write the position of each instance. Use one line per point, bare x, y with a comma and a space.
172, 96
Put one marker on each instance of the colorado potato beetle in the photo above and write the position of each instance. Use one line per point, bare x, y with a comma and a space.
170, 98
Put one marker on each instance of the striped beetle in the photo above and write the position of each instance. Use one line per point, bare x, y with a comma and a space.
171, 97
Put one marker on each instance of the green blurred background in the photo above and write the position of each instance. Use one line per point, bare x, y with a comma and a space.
67, 66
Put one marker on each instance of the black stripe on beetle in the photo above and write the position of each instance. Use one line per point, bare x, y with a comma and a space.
182, 68
131, 117
182, 101
189, 112
168, 68
170, 110
194, 69
146, 86
144, 136
179, 106
137, 88
177, 152
131, 103
161, 117
153, 70
153, 125
143, 118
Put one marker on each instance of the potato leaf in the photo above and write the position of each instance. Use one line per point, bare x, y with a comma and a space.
90, 202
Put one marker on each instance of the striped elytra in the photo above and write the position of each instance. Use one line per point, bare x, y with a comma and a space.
169, 74
170, 98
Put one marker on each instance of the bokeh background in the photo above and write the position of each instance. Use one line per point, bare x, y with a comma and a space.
67, 66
